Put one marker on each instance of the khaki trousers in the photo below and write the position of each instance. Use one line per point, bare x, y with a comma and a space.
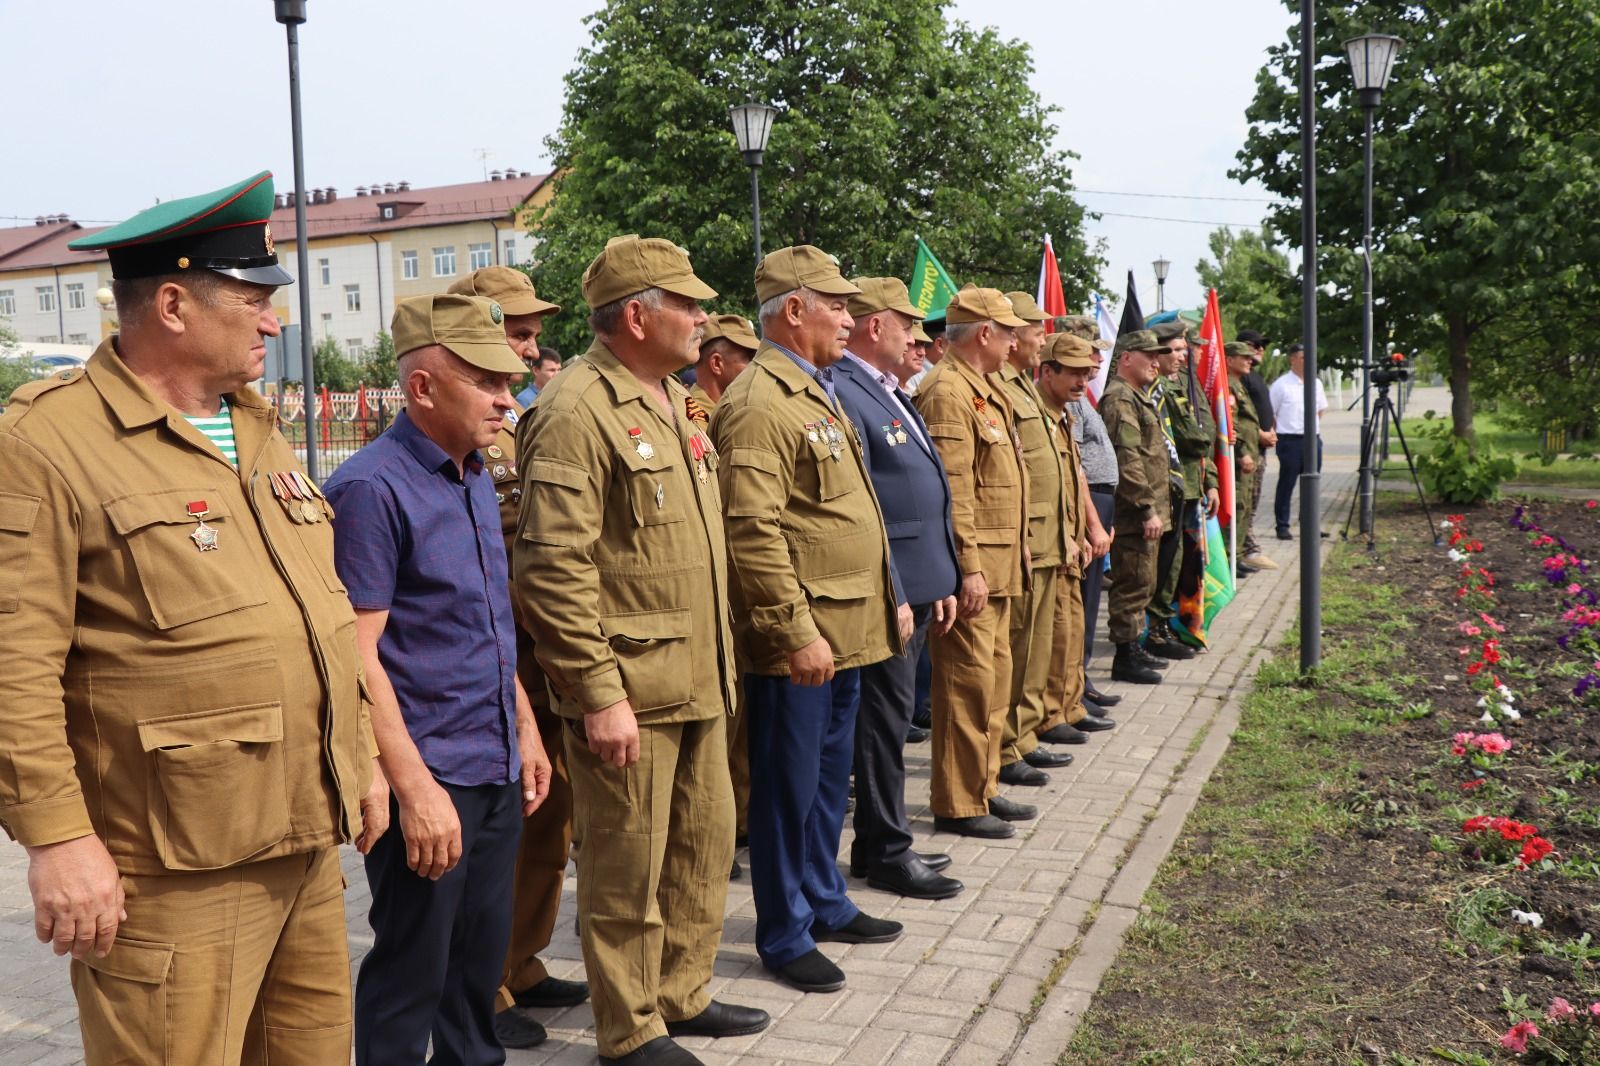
971, 695
652, 876
1064, 693
1133, 582
541, 869
226, 967
1032, 639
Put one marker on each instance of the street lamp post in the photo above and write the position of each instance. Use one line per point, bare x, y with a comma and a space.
1371, 60
292, 13
752, 124
1310, 475
1162, 265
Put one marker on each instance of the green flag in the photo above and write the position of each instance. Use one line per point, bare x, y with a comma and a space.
931, 288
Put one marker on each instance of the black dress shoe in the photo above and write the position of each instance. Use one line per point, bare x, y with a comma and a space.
1011, 810
552, 992
811, 972
1096, 725
722, 1019
986, 826
1062, 733
914, 880
862, 929
1284, 534
662, 1051
1094, 709
1104, 699
933, 860
922, 718
1020, 773
916, 735
516, 1030
736, 872
1041, 759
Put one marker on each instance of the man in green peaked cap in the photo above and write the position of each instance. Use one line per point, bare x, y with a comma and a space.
182, 810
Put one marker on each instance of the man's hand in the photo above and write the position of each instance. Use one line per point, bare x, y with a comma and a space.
1152, 528
1269, 437
374, 811
1213, 502
1099, 542
1247, 464
908, 624
535, 765
813, 664
1069, 558
974, 595
613, 734
944, 615
77, 896
432, 830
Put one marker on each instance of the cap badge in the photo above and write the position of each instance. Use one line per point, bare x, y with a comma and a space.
495, 314
266, 235
183, 262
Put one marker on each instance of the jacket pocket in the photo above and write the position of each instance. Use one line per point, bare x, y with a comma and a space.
182, 583
218, 785
652, 652
833, 478
651, 493
838, 610
18, 513
996, 465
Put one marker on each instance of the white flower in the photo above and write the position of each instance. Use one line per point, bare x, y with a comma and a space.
1445, 523
1457, 556
1488, 718
1510, 713
1530, 918
1483, 701
1505, 693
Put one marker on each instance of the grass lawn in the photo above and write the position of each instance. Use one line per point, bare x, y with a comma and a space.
1568, 472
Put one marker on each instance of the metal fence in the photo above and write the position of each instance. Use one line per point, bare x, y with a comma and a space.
346, 421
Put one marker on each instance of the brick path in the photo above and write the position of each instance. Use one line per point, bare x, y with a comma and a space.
1000, 974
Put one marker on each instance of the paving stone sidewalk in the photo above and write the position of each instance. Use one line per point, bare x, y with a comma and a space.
1000, 974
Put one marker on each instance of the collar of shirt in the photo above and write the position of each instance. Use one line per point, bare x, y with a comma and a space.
888, 381
822, 376
426, 452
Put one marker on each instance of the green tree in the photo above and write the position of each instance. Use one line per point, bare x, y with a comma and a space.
892, 123
1487, 190
15, 371
335, 371
1256, 289
378, 368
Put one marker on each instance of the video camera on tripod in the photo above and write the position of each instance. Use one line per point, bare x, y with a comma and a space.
1386, 374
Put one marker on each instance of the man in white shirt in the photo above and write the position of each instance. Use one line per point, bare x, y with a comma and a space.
1289, 416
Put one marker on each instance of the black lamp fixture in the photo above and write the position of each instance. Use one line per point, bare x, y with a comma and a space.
752, 125
1162, 266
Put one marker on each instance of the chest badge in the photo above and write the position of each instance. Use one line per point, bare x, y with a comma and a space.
640, 445
204, 536
835, 439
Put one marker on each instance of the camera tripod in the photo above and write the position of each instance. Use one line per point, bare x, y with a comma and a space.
1383, 416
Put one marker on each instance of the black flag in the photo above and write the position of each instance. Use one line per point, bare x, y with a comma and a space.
1132, 315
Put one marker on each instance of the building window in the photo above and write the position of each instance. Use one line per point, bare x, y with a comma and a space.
387, 212
352, 347
47, 298
77, 338
8, 302
326, 271
444, 262
75, 301
480, 255
511, 252
408, 266
327, 324
352, 297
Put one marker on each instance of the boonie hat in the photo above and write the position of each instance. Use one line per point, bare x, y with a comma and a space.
631, 264
1141, 340
470, 326
803, 266
973, 304
1025, 307
506, 286
225, 231
734, 328
1068, 350
882, 294
1083, 326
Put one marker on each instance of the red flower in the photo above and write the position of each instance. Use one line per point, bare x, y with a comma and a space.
1477, 824
1534, 851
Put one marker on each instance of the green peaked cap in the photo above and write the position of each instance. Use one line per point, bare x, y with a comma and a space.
227, 231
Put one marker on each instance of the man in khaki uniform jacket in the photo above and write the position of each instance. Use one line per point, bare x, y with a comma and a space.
546, 841
184, 742
620, 570
972, 424
1144, 508
1032, 629
813, 599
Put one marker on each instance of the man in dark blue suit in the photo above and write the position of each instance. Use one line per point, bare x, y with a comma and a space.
915, 499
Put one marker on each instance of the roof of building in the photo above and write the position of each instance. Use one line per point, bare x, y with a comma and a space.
39, 247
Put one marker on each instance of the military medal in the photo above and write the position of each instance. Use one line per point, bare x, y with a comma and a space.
309, 512
835, 439
888, 436
661, 495
499, 469
811, 432
495, 453
640, 445
204, 536
281, 488
900, 432
698, 445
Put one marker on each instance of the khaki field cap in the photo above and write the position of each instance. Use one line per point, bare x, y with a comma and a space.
882, 294
1083, 326
631, 264
735, 328
973, 304
507, 287
803, 266
1025, 307
470, 326
1141, 340
1068, 350
920, 335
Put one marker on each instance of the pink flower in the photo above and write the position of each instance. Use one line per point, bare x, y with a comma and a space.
1491, 743
1594, 1009
1489, 621
1469, 630
1560, 1010
1574, 588
1518, 1035
1590, 505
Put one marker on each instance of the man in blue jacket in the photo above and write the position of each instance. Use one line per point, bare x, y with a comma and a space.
912, 491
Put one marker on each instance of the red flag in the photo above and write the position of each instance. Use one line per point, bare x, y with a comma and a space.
1211, 369
1050, 299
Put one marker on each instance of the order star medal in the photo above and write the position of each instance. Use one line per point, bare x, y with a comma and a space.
899, 433
640, 445
835, 439
204, 536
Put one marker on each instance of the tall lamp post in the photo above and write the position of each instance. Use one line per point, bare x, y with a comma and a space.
1310, 475
1161, 265
1371, 60
752, 124
292, 13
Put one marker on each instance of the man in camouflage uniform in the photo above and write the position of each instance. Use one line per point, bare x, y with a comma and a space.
1194, 436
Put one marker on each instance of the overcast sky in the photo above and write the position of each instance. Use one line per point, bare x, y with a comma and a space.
116, 104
